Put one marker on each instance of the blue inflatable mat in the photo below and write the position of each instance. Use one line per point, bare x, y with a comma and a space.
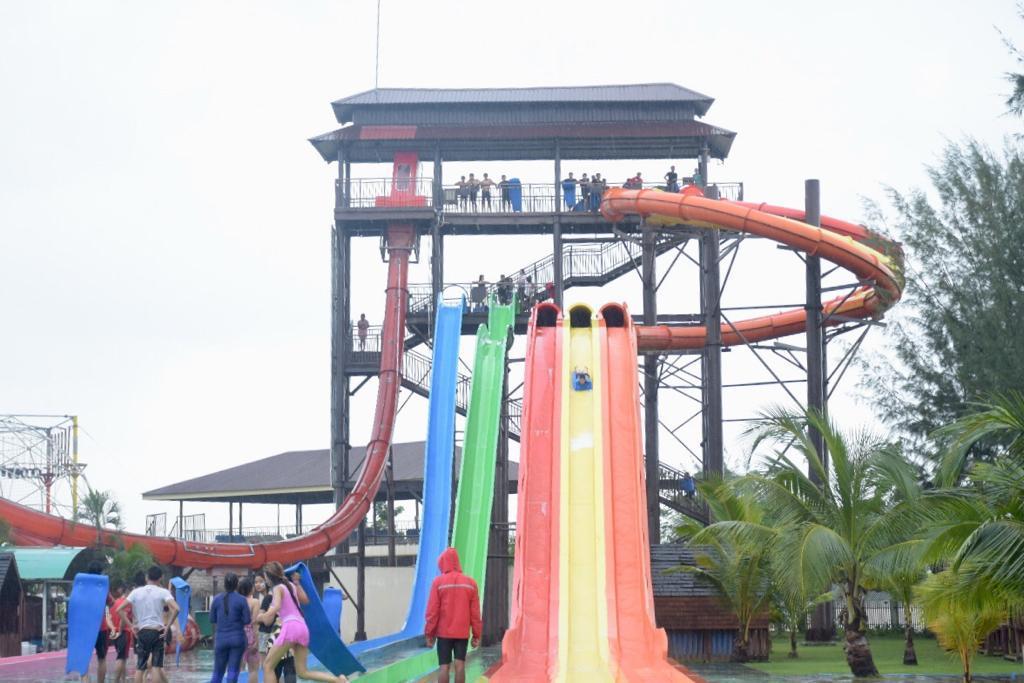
324, 641
333, 599
85, 615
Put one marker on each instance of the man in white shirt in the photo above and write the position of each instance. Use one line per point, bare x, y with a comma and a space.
150, 622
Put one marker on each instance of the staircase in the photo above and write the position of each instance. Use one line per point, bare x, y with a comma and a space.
416, 378
671, 495
583, 265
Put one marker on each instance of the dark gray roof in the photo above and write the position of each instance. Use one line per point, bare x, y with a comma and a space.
674, 584
8, 565
298, 476
647, 92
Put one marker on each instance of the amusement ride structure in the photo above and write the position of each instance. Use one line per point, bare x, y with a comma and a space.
591, 481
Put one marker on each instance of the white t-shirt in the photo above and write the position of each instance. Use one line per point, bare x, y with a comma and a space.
148, 605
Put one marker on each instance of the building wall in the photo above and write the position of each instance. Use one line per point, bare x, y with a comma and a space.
388, 590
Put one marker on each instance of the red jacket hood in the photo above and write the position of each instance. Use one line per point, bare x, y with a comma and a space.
449, 561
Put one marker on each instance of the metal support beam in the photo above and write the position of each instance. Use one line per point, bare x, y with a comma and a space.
557, 231
231, 519
651, 362
496, 605
815, 338
822, 618
390, 473
702, 164
341, 315
361, 582
436, 239
711, 357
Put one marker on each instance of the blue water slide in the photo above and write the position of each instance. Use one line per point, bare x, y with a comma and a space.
437, 472
86, 605
324, 641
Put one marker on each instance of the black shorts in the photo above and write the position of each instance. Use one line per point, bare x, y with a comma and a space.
121, 645
446, 647
149, 643
102, 643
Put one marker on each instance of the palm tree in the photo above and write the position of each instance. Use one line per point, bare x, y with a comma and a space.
99, 509
959, 622
739, 569
840, 533
982, 534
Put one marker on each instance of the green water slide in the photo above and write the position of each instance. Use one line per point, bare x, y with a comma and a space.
470, 533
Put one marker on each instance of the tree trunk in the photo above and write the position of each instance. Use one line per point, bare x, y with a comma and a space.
740, 648
909, 654
858, 651
965, 658
792, 644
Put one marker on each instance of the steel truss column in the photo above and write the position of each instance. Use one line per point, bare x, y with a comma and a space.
711, 357
648, 275
340, 342
361, 582
436, 239
496, 605
823, 617
557, 231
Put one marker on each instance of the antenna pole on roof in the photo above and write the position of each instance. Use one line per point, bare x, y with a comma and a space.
376, 57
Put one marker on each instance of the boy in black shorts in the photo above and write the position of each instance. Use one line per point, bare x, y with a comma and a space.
453, 614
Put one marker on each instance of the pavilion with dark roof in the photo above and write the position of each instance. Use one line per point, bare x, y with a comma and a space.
301, 478
644, 121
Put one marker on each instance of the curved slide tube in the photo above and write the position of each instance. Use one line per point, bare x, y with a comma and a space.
437, 473
86, 605
875, 260
324, 641
37, 527
583, 605
470, 533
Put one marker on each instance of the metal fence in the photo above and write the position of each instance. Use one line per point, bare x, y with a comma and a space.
502, 197
405, 532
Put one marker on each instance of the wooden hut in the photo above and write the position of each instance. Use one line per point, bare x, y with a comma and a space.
10, 606
699, 625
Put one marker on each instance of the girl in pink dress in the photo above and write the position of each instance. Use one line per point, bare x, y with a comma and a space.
288, 595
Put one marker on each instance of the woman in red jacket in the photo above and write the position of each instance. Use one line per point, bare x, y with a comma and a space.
452, 612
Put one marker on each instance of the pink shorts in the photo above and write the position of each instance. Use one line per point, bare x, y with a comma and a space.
293, 632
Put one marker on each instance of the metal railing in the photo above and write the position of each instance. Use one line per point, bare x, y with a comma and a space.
405, 532
502, 197
369, 193
673, 493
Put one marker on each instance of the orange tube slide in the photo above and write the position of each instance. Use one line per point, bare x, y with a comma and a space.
839, 242
530, 646
638, 646
36, 528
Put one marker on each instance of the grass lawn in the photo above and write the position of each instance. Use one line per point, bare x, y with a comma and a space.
888, 654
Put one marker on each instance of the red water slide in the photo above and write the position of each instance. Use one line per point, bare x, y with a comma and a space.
874, 259
36, 528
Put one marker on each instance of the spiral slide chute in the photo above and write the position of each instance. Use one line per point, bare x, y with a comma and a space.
437, 473
31, 526
875, 260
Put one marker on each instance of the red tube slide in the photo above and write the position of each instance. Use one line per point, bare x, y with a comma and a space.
853, 247
36, 528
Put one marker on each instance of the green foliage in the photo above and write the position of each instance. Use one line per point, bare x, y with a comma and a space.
380, 516
99, 509
5, 531
125, 564
959, 622
1015, 101
737, 564
957, 335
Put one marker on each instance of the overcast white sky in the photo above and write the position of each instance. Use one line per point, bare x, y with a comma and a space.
164, 261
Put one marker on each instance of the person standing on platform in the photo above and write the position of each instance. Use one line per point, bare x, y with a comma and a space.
462, 192
230, 613
362, 327
485, 191
687, 485
453, 615
478, 295
698, 179
473, 185
569, 191
150, 623
505, 187
672, 180
585, 191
